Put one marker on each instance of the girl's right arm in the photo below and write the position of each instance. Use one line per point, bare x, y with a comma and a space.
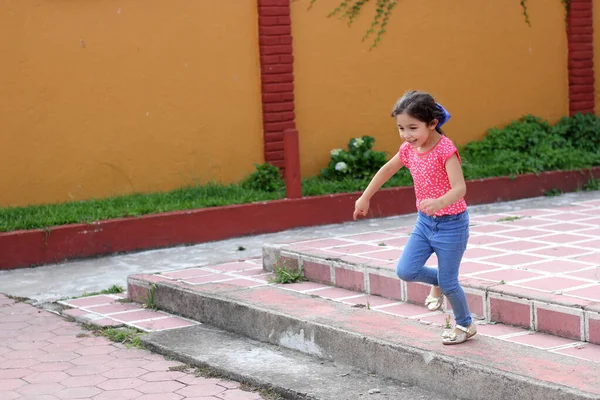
361, 207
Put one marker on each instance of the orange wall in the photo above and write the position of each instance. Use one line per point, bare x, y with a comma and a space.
99, 98
479, 59
597, 54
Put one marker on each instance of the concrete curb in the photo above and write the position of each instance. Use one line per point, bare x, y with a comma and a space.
486, 302
43, 246
421, 367
288, 373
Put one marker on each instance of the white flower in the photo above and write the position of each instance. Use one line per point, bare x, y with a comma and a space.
358, 142
335, 152
341, 166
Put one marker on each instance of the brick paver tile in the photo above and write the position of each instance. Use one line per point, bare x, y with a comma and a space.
10, 384
130, 353
65, 339
133, 316
128, 363
498, 329
14, 326
591, 292
239, 395
160, 387
118, 395
91, 301
92, 360
507, 275
58, 357
165, 323
40, 388
553, 283
15, 373
187, 273
81, 381
119, 373
202, 390
52, 366
114, 308
23, 363
120, 384
87, 351
541, 340
87, 370
85, 392
15, 318
229, 384
163, 396
191, 379
45, 377
62, 347
162, 376
157, 366
586, 351
24, 354
11, 395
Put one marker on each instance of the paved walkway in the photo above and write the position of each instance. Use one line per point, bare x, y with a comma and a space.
72, 279
45, 357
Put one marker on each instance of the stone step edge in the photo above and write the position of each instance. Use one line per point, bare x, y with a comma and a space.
422, 367
492, 304
277, 369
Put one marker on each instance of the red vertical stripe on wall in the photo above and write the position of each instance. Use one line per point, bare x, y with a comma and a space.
580, 33
277, 76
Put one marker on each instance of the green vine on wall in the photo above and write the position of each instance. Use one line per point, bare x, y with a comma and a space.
566, 4
525, 12
350, 9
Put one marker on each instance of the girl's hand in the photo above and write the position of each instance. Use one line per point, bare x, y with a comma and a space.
361, 207
431, 206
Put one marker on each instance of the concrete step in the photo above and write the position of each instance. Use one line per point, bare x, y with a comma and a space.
499, 363
289, 373
536, 269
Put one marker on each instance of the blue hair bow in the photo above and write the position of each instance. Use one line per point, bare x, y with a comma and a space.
445, 118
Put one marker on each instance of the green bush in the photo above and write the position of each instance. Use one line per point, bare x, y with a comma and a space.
266, 178
581, 131
360, 161
531, 145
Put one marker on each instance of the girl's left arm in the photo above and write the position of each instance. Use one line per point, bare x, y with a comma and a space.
457, 181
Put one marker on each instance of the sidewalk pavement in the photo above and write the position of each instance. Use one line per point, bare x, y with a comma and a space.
71, 279
44, 357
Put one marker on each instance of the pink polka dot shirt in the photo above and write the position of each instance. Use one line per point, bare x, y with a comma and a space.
429, 173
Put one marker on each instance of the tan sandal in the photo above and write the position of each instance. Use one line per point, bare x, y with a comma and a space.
459, 334
434, 303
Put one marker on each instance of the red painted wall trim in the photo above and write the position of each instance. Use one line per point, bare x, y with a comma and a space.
580, 35
277, 76
36, 247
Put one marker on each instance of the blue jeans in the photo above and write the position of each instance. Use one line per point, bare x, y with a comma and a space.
447, 236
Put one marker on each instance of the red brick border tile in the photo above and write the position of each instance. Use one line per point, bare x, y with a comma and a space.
317, 272
593, 329
385, 286
290, 262
510, 312
558, 323
476, 303
417, 292
348, 279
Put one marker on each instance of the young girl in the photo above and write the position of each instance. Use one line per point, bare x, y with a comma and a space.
443, 221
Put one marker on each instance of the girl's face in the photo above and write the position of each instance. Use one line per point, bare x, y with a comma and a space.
416, 133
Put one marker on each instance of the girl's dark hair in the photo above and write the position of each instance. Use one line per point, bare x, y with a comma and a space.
419, 105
